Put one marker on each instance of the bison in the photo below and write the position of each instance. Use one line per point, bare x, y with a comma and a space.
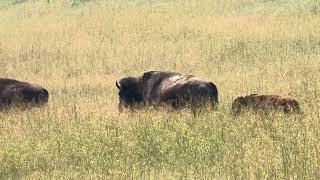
265, 103
168, 88
14, 92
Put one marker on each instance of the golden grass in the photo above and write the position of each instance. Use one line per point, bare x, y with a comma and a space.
78, 53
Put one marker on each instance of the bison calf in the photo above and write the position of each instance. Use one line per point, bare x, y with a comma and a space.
13, 92
161, 87
265, 103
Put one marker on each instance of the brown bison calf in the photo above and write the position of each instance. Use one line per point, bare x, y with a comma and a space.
13, 92
265, 103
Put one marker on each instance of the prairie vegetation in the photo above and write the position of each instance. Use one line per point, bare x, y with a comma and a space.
78, 51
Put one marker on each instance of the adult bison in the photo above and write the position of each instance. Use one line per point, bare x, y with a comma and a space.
13, 92
265, 103
169, 88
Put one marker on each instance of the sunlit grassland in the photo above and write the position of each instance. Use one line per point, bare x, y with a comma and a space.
77, 53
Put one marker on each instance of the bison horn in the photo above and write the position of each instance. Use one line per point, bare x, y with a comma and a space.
117, 84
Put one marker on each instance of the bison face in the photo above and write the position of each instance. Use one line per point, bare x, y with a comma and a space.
129, 92
238, 104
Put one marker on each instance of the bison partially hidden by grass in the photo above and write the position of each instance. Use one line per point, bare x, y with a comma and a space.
170, 88
265, 103
18, 93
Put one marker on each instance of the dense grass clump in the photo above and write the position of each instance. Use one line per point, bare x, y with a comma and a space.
77, 53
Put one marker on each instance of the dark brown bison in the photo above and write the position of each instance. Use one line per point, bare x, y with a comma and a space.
169, 88
265, 103
13, 92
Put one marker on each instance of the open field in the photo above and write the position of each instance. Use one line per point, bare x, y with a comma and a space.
77, 53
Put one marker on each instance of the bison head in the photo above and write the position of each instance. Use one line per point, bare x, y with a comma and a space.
238, 104
292, 106
129, 92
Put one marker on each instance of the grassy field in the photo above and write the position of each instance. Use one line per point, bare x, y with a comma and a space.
77, 53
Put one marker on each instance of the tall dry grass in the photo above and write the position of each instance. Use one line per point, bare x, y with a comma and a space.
77, 53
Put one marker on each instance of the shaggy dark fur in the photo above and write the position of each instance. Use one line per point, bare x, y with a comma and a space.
13, 92
171, 88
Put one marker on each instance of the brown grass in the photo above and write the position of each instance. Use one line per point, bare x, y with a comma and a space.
78, 53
